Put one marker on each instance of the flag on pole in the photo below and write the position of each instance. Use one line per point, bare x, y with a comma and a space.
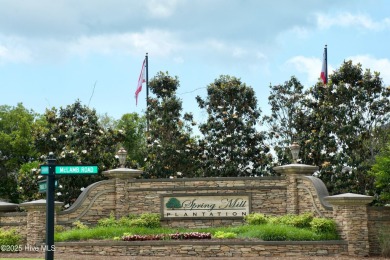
141, 80
324, 71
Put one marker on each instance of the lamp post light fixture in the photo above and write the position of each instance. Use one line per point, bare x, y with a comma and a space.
294, 148
122, 154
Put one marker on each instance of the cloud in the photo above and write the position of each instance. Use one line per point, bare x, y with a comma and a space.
309, 66
12, 51
369, 62
162, 8
156, 42
347, 19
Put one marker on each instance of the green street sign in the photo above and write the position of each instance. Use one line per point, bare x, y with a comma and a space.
43, 185
44, 169
71, 169
76, 169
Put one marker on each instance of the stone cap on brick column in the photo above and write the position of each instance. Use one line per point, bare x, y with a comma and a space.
349, 199
296, 168
123, 173
39, 205
7, 207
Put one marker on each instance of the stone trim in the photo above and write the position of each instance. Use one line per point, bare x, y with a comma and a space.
199, 242
85, 211
321, 190
349, 199
206, 248
301, 169
85, 194
185, 188
271, 178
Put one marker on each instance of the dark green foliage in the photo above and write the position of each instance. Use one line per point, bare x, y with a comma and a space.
287, 122
232, 146
172, 153
16, 146
381, 171
74, 135
134, 127
346, 119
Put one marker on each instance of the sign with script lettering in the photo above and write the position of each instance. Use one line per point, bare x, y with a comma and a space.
205, 205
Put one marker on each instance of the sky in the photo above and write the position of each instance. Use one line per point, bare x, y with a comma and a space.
53, 53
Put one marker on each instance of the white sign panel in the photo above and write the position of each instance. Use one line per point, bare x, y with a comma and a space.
205, 205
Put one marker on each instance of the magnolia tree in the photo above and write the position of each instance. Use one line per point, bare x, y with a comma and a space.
232, 145
74, 135
171, 150
287, 122
345, 118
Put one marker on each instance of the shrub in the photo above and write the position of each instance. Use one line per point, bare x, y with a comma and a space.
108, 222
255, 219
225, 235
323, 225
300, 221
79, 225
150, 220
59, 228
9, 237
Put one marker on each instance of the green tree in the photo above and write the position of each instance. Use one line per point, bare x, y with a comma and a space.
134, 127
231, 144
345, 118
287, 122
171, 150
16, 146
74, 135
381, 171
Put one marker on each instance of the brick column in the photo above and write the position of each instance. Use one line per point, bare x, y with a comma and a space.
350, 214
122, 176
36, 220
292, 172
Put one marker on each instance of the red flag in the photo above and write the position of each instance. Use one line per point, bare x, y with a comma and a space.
141, 80
324, 71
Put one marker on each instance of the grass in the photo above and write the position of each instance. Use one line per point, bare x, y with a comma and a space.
266, 232
304, 227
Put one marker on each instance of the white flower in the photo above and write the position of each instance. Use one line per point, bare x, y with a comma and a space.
60, 186
179, 173
84, 151
53, 139
67, 206
323, 152
39, 176
332, 154
170, 177
59, 193
71, 151
82, 188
